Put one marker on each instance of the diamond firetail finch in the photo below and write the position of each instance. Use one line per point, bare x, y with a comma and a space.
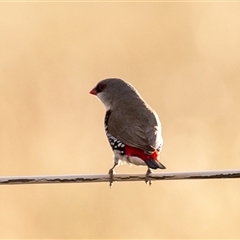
133, 129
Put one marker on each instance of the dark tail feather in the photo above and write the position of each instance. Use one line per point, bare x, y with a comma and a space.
154, 164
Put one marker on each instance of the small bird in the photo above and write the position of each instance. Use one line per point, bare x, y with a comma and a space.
133, 129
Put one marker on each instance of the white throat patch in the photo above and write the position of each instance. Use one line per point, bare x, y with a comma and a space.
103, 100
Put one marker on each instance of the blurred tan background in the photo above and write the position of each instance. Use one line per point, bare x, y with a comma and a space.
184, 58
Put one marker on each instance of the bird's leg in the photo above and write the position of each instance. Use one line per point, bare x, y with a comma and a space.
149, 171
111, 171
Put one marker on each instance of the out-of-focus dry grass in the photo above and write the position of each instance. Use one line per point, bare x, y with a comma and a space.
183, 58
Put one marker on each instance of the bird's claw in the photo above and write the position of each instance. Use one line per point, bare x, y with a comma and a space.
111, 172
149, 171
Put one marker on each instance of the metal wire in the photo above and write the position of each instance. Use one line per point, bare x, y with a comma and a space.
90, 178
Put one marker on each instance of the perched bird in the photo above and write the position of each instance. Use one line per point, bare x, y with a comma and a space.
133, 129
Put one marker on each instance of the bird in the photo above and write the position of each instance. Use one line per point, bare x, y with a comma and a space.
132, 127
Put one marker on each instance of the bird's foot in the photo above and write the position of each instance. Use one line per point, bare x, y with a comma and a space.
111, 172
149, 171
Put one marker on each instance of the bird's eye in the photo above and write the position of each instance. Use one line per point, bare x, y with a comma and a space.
101, 87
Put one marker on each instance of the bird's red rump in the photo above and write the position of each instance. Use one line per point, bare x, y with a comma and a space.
132, 151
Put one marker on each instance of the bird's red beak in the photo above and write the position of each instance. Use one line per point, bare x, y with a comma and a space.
93, 91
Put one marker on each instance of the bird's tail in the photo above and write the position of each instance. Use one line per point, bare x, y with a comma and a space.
154, 164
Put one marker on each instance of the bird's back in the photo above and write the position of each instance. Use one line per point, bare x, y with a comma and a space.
135, 124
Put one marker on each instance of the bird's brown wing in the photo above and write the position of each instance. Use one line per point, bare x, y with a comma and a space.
136, 128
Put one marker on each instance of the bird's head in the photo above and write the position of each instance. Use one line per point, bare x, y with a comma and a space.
112, 91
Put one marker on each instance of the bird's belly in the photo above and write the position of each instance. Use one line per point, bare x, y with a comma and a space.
130, 159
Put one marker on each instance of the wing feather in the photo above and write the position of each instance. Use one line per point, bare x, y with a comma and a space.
136, 127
